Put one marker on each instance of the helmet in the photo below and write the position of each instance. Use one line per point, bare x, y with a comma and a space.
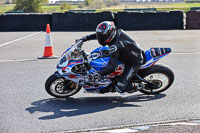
106, 32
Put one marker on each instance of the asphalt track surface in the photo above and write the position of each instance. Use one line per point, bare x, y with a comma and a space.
25, 107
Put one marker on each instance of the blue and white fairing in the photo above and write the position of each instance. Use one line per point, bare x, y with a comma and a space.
152, 55
98, 59
71, 59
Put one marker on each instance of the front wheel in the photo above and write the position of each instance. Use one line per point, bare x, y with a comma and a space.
61, 88
157, 74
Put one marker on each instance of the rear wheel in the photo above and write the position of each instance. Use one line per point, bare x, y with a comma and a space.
61, 88
157, 74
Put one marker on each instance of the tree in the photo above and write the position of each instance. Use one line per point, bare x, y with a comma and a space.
66, 6
88, 2
109, 3
2, 1
97, 4
29, 5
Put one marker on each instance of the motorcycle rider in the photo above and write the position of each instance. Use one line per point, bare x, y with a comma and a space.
122, 47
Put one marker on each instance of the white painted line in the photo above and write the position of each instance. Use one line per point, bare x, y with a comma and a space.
125, 130
195, 121
180, 123
136, 127
20, 60
145, 128
4, 44
141, 128
186, 53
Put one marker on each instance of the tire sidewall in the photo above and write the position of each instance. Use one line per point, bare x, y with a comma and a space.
50, 80
158, 68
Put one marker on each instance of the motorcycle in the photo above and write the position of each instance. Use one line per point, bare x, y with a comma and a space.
75, 66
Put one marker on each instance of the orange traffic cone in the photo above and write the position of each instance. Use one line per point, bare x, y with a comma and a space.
48, 49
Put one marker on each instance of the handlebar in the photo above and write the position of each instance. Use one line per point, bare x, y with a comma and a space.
79, 43
78, 46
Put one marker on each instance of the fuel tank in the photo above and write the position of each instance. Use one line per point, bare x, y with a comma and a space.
100, 57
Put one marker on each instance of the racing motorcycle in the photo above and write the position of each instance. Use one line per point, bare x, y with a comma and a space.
75, 66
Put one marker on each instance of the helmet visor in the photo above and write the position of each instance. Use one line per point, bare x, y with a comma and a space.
102, 38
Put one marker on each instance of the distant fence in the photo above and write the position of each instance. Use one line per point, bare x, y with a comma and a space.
82, 11
15, 11
140, 9
195, 8
150, 20
71, 21
24, 22
193, 20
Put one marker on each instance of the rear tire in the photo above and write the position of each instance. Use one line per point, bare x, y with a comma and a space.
60, 88
158, 74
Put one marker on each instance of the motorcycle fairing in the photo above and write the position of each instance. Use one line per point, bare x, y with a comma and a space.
66, 64
98, 59
152, 55
100, 49
156, 52
99, 64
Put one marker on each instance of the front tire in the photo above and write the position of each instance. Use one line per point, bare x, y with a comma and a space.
158, 74
58, 87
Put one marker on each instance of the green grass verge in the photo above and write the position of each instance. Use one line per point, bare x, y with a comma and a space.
183, 5
113, 10
5, 8
171, 9
51, 9
159, 7
45, 9
178, 6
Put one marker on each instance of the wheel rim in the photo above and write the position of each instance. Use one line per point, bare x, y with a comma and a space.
160, 79
61, 87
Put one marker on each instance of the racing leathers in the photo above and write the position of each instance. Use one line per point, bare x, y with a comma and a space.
125, 49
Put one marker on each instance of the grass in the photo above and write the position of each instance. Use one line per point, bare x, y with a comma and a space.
5, 8
159, 7
169, 9
185, 5
113, 10
45, 9
51, 8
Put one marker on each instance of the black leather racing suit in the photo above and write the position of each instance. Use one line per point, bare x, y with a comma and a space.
125, 49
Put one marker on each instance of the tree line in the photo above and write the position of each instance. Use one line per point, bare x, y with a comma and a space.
35, 5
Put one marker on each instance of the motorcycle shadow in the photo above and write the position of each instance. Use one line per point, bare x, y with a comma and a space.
85, 105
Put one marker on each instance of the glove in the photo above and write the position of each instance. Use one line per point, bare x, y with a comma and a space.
94, 77
84, 39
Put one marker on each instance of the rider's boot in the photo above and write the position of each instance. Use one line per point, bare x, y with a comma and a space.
134, 87
121, 88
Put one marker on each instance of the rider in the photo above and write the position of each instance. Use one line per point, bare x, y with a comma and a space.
122, 47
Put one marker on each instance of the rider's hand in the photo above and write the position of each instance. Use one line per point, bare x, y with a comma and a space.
94, 77
84, 39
